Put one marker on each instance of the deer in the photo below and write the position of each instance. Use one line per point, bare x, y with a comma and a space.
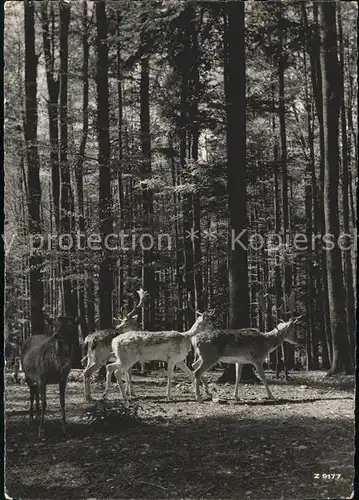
132, 347
99, 348
47, 360
245, 345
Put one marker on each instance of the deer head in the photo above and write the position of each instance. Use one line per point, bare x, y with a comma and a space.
203, 322
288, 331
128, 321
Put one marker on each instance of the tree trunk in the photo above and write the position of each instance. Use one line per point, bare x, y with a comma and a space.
178, 271
235, 95
33, 168
196, 202
347, 257
311, 213
318, 98
80, 162
65, 188
53, 90
277, 355
287, 349
105, 197
120, 263
148, 278
342, 358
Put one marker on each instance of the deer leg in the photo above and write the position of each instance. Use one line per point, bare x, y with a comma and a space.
110, 369
238, 378
170, 367
118, 375
260, 371
129, 388
182, 365
277, 362
118, 370
89, 370
284, 363
62, 389
195, 365
206, 365
42, 390
37, 396
128, 384
32, 396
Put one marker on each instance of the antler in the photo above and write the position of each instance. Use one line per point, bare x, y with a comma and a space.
288, 307
142, 294
187, 305
261, 301
286, 310
189, 301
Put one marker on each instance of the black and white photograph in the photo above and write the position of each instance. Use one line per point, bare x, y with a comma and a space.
180, 245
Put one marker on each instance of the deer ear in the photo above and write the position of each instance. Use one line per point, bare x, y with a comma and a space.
199, 314
134, 317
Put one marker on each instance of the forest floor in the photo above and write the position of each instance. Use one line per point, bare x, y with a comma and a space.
299, 446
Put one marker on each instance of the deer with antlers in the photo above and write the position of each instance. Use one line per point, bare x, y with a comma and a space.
170, 346
245, 345
99, 348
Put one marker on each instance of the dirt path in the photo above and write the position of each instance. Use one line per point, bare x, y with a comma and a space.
301, 446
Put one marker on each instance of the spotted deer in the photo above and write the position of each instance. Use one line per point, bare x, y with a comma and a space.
132, 347
245, 345
99, 348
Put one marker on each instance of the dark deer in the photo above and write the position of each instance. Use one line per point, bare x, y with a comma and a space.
47, 360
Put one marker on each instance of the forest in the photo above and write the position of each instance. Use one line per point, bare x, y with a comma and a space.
215, 150
199, 156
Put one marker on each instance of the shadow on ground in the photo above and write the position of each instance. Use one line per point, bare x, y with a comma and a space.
218, 456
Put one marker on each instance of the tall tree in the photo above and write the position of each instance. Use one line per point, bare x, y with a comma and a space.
194, 125
287, 273
342, 358
148, 281
105, 197
80, 162
184, 64
121, 200
65, 189
33, 168
53, 90
346, 181
235, 91
235, 96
